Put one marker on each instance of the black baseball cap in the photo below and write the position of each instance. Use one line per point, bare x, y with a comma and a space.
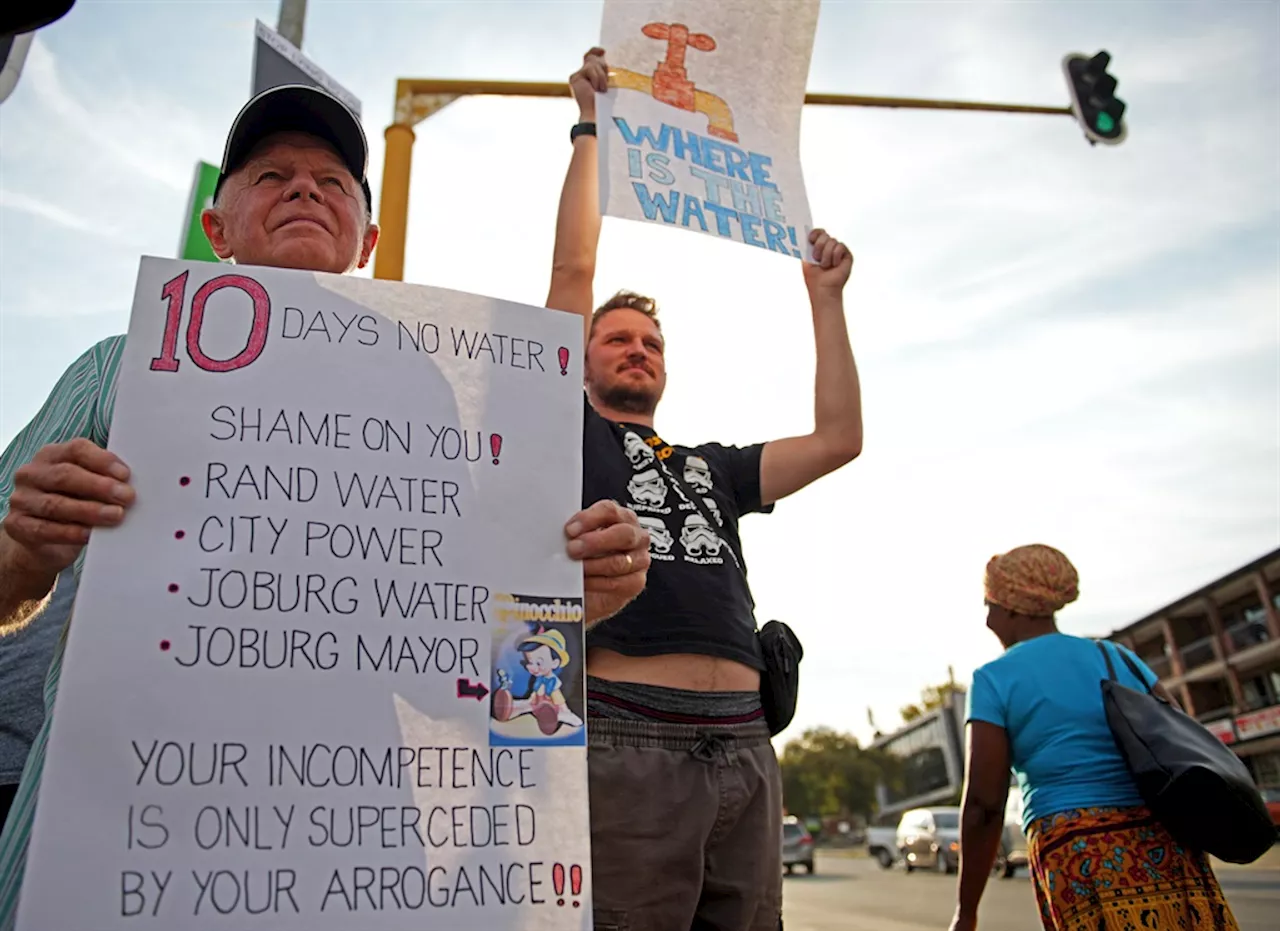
298, 108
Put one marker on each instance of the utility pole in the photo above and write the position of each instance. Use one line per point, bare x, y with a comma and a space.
293, 14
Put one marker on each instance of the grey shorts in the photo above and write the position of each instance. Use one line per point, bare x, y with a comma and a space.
686, 827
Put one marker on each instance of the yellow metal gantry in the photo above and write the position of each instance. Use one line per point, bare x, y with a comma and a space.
418, 98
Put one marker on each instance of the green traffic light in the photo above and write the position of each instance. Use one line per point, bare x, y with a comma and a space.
1104, 123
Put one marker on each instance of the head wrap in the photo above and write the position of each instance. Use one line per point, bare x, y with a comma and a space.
1034, 580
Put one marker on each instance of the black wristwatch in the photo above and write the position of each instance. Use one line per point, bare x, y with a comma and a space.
582, 129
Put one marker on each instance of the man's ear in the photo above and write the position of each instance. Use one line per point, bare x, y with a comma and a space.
214, 227
366, 247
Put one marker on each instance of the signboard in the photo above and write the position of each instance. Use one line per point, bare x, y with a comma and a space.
1258, 723
299, 690
700, 128
278, 61
194, 245
1223, 729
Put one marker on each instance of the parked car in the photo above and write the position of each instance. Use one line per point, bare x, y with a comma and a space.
797, 845
1012, 853
929, 838
1013, 842
882, 840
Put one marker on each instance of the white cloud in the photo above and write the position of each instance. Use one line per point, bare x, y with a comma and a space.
143, 130
60, 216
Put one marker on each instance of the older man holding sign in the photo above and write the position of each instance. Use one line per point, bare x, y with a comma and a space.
335, 523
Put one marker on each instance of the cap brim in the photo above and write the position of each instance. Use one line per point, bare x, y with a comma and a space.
298, 108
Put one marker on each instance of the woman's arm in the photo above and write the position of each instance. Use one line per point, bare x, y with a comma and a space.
986, 789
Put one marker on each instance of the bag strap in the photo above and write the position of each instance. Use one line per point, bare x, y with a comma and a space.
1111, 669
682, 487
1125, 658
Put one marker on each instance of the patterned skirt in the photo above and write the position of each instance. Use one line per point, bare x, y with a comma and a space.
1118, 869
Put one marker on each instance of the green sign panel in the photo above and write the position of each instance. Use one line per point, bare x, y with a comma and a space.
194, 245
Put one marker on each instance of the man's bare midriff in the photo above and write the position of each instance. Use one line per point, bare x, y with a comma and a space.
674, 671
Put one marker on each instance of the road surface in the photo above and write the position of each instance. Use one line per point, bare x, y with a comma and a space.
848, 894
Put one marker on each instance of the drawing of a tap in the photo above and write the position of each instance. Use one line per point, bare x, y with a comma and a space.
670, 82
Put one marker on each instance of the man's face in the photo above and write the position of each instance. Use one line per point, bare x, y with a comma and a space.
624, 364
292, 204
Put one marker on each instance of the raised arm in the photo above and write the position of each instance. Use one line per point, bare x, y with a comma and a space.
790, 464
573, 264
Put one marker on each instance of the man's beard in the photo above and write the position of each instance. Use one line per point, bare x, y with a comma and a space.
629, 400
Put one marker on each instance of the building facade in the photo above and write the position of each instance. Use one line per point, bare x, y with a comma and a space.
1217, 650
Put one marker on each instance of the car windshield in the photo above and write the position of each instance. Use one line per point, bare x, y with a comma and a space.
1271, 795
946, 820
792, 831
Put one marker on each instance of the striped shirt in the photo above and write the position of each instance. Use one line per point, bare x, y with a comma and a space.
80, 405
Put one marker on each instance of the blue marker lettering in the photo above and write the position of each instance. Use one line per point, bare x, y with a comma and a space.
772, 204
685, 144
644, 135
750, 230
759, 165
723, 215
746, 197
658, 171
737, 162
710, 150
715, 185
651, 204
633, 164
693, 210
775, 235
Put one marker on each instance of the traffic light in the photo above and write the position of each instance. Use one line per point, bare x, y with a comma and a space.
1093, 98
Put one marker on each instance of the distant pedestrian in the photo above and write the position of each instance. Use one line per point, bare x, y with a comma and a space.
1100, 861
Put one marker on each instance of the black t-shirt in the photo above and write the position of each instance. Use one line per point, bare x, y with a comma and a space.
696, 600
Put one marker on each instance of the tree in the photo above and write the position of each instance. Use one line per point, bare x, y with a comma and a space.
826, 773
931, 698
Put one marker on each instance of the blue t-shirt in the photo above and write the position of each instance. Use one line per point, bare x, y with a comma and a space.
1046, 693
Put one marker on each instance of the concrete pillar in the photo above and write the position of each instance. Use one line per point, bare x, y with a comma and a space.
1222, 648
1268, 605
1171, 648
393, 205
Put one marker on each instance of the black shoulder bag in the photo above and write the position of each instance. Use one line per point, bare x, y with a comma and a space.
1190, 780
779, 645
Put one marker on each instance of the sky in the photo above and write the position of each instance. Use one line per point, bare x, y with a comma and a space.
1057, 343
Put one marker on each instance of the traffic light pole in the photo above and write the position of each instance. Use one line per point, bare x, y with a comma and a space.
293, 16
417, 99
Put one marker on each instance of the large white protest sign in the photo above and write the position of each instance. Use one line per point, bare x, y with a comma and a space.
328, 673
700, 129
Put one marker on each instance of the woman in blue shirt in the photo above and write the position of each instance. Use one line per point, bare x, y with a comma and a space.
1099, 860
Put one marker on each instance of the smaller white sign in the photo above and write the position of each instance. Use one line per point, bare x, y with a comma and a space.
700, 128
278, 61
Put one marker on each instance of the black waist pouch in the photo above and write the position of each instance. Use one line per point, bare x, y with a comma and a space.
780, 681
